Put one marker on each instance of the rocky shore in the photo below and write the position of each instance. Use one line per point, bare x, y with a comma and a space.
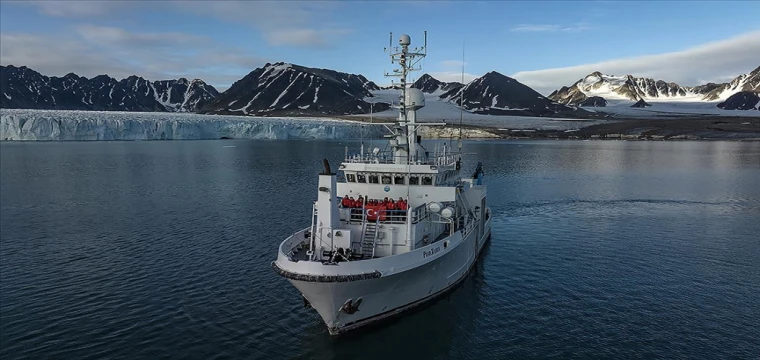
664, 128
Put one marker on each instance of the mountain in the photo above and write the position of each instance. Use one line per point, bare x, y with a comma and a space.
594, 101
497, 94
24, 88
617, 87
743, 100
288, 89
745, 82
429, 84
610, 87
640, 104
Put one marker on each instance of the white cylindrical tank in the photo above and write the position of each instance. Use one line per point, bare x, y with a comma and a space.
435, 207
415, 99
447, 212
404, 40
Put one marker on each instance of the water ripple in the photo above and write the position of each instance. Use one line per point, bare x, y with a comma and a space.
595, 252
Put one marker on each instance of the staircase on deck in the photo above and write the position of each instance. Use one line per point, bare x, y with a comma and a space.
370, 237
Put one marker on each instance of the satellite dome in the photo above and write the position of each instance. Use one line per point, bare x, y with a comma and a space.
404, 40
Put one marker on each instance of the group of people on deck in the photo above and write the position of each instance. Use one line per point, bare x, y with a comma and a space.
376, 208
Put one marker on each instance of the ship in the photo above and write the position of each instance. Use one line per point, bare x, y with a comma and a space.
393, 229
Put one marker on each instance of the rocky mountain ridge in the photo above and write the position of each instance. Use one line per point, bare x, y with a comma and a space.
430, 85
628, 87
288, 89
24, 88
498, 94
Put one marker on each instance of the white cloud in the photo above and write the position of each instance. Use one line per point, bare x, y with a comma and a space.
303, 37
576, 28
451, 71
70, 56
452, 76
288, 23
95, 50
535, 28
282, 23
453, 64
715, 61
116, 37
74, 8
551, 27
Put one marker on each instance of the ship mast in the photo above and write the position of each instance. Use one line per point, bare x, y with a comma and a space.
404, 143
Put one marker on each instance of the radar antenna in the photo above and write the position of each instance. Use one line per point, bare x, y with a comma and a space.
405, 131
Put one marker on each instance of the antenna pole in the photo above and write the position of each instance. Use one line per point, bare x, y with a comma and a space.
361, 135
461, 103
390, 46
425, 43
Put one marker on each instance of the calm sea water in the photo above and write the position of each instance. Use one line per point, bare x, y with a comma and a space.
162, 250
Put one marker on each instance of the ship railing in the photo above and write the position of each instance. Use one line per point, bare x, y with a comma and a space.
361, 215
420, 213
329, 254
385, 216
387, 157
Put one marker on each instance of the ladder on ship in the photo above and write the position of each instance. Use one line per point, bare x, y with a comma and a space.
370, 238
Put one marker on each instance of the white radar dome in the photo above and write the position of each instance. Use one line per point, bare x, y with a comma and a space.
415, 99
435, 207
404, 40
447, 212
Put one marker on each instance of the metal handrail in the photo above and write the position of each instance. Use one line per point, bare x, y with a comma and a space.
374, 239
389, 158
420, 213
392, 216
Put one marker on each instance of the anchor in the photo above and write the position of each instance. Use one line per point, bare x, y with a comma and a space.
350, 306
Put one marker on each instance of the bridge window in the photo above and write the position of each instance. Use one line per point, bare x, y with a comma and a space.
427, 180
398, 180
351, 177
361, 178
414, 180
373, 179
386, 179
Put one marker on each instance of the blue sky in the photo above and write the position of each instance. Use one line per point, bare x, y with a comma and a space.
543, 44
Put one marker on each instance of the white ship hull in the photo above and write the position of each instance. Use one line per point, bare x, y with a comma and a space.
401, 227
395, 291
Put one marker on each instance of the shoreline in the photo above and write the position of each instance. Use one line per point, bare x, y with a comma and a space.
661, 128
676, 127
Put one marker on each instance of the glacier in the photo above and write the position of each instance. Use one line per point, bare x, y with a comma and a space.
65, 125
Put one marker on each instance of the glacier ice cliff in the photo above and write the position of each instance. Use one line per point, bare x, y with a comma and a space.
64, 125
61, 125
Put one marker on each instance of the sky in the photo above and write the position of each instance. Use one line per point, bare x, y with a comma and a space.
544, 45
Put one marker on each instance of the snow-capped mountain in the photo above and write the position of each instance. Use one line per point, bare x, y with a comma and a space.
610, 87
24, 88
497, 94
429, 84
745, 82
630, 88
288, 89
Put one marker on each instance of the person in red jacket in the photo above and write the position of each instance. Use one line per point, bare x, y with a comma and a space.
346, 202
392, 213
401, 204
